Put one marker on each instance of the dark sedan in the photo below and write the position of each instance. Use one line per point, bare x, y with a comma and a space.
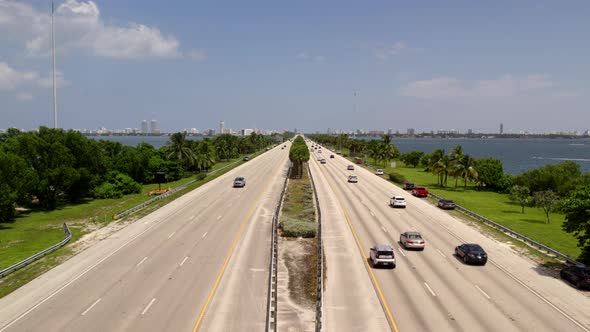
471, 253
577, 275
446, 204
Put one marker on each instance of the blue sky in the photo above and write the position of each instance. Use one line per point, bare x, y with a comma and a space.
298, 64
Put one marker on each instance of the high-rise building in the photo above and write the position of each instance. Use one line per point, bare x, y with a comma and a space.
501, 128
410, 131
154, 129
144, 127
221, 125
469, 131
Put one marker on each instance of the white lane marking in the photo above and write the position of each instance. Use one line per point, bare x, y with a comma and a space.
383, 228
402, 252
429, 289
141, 262
204, 234
441, 253
484, 293
92, 306
74, 279
148, 306
372, 213
230, 204
184, 260
171, 234
537, 295
192, 217
218, 217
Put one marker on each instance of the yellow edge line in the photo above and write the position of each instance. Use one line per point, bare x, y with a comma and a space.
358, 243
227, 258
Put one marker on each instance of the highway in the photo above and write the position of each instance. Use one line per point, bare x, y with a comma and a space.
198, 263
429, 290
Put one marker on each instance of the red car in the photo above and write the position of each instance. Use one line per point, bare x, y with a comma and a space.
420, 192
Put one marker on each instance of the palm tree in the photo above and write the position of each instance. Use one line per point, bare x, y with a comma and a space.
465, 168
204, 154
179, 148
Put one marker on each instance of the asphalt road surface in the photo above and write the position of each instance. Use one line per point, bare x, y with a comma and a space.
429, 290
198, 263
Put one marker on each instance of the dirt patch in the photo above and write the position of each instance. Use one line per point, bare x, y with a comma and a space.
96, 232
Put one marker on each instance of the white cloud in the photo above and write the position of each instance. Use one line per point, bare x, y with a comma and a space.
319, 58
79, 26
303, 55
197, 55
24, 96
11, 78
307, 56
450, 87
384, 53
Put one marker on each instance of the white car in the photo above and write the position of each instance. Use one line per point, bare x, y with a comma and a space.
382, 254
350, 167
379, 171
398, 201
323, 161
353, 179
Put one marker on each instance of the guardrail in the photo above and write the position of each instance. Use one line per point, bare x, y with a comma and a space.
320, 267
38, 255
527, 240
170, 192
271, 304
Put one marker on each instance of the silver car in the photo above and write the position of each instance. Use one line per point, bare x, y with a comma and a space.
382, 254
239, 182
353, 179
412, 240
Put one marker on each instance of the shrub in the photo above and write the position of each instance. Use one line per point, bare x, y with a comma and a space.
201, 176
397, 178
107, 190
117, 185
297, 228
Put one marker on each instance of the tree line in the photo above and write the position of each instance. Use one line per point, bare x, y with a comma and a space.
558, 187
49, 167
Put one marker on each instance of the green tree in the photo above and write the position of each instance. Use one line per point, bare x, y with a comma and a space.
465, 168
521, 195
577, 219
178, 148
412, 158
546, 200
490, 173
298, 154
226, 146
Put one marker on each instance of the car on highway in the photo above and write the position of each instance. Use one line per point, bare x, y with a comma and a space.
577, 275
379, 171
471, 253
408, 186
382, 255
412, 240
397, 201
420, 192
239, 182
319, 158
246, 158
338, 152
319, 151
353, 179
267, 149
332, 156
446, 204
350, 167
323, 161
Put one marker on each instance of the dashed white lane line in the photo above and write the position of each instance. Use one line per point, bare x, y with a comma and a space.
441, 253
430, 289
402, 252
184, 260
204, 234
218, 217
383, 228
484, 293
91, 306
148, 306
171, 234
372, 213
141, 262
192, 217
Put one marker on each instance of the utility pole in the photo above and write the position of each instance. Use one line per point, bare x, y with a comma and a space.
53, 53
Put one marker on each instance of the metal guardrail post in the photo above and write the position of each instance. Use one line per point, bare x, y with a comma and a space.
516, 235
14, 267
271, 304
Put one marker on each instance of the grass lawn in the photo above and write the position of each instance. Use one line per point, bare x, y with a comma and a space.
496, 207
33, 231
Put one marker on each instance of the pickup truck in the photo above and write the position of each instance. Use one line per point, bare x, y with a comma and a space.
420, 192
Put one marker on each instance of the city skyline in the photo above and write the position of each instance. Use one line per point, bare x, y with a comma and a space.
422, 66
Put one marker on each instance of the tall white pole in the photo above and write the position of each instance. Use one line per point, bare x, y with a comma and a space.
53, 51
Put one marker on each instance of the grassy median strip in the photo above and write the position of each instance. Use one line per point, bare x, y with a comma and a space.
33, 231
298, 228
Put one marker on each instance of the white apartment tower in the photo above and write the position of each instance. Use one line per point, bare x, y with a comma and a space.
144, 127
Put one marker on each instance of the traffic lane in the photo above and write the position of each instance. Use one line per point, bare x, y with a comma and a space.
73, 297
240, 302
529, 305
408, 290
358, 308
